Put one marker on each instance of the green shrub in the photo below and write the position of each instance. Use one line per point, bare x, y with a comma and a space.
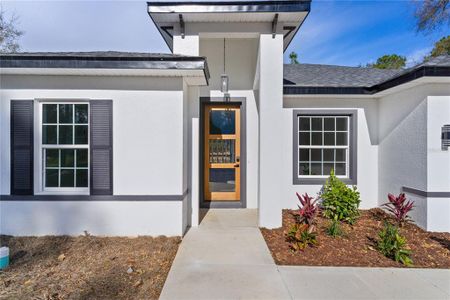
301, 235
339, 202
393, 245
334, 229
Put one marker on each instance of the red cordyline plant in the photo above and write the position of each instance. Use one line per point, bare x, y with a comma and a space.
400, 208
308, 209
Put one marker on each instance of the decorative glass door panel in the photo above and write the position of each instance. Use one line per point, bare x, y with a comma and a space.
222, 153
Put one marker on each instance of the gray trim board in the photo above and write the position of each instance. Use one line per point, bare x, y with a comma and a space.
224, 204
425, 193
353, 155
57, 198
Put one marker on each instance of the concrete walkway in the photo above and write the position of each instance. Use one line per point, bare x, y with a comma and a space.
226, 258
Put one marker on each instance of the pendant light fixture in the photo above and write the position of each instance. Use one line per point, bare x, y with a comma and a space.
224, 80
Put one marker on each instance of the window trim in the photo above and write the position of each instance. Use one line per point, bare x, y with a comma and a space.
353, 136
40, 188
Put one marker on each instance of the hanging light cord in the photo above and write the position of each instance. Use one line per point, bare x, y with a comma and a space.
224, 56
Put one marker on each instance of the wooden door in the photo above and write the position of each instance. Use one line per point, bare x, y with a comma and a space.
222, 151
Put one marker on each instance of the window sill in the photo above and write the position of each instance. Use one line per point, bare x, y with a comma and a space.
63, 193
321, 181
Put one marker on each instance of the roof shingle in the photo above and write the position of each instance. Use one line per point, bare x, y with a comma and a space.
314, 75
334, 76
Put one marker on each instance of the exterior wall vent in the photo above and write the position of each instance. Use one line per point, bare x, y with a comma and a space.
445, 137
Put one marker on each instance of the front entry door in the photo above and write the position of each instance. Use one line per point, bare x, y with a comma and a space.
222, 152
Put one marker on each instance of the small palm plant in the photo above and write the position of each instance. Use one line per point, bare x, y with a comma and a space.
307, 210
303, 233
399, 207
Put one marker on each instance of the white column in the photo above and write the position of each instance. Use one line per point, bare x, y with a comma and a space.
190, 45
195, 197
270, 126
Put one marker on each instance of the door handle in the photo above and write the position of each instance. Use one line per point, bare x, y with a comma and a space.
236, 165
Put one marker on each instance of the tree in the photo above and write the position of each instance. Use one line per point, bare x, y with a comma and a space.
392, 61
293, 58
432, 14
441, 47
9, 34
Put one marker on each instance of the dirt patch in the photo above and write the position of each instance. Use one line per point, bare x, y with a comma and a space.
357, 247
86, 267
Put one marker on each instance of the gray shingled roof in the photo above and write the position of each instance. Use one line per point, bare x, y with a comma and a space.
439, 61
314, 75
334, 76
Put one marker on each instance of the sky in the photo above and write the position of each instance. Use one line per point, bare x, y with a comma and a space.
336, 32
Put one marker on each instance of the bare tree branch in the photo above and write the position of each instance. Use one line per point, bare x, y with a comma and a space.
9, 34
432, 14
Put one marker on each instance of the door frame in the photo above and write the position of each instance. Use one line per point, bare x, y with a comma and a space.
204, 101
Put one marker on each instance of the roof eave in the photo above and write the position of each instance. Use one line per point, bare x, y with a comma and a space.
178, 7
127, 64
423, 71
20, 61
186, 7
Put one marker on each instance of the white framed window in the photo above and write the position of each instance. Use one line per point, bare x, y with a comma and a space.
324, 141
64, 147
323, 146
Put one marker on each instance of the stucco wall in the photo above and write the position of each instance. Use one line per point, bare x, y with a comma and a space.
110, 218
438, 164
149, 152
240, 62
409, 135
146, 112
367, 145
399, 146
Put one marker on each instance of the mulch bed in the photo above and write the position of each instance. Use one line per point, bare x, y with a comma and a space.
357, 247
86, 267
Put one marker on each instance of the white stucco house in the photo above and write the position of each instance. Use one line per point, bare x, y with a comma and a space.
136, 143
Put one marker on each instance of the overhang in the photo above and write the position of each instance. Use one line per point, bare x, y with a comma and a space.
105, 64
290, 13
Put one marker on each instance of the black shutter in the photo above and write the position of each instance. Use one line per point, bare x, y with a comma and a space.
101, 144
22, 147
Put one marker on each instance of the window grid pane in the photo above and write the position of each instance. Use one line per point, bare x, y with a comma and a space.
65, 166
68, 127
63, 172
323, 145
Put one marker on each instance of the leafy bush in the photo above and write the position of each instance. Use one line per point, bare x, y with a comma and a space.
339, 202
393, 245
307, 210
400, 208
334, 229
301, 235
